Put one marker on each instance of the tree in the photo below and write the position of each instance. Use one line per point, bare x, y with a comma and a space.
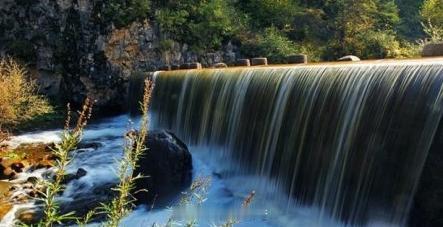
364, 28
204, 25
267, 13
432, 19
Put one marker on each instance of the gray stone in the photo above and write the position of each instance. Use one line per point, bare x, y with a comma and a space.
433, 50
220, 65
259, 61
243, 62
298, 59
349, 58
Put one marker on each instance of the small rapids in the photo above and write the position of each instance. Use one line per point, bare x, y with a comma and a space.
223, 200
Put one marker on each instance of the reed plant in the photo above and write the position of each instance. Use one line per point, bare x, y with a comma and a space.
135, 147
70, 138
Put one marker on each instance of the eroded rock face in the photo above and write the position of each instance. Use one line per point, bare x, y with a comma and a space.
74, 50
168, 165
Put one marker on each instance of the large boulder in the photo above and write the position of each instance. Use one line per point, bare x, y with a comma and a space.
167, 166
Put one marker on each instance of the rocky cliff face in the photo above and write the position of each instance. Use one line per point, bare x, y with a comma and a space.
74, 52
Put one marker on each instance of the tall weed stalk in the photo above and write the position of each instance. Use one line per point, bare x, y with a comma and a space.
122, 204
69, 141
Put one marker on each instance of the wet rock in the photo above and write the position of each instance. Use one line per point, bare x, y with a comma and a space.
168, 165
433, 50
89, 199
92, 145
29, 216
17, 167
32, 180
70, 177
349, 58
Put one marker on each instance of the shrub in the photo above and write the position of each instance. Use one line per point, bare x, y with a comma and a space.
272, 44
267, 13
19, 101
204, 25
122, 13
366, 45
432, 19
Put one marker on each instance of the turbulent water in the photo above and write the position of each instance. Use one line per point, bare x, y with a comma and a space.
348, 141
322, 145
223, 199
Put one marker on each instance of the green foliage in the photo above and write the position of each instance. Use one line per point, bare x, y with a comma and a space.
266, 13
272, 44
409, 27
367, 45
204, 25
432, 10
124, 12
432, 16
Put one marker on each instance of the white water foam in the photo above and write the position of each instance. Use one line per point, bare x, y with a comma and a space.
224, 198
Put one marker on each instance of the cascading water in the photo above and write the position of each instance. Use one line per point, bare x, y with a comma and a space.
349, 140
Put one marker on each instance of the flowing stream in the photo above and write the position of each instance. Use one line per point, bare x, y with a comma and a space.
321, 145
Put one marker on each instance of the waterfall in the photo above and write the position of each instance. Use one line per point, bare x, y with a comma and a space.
349, 139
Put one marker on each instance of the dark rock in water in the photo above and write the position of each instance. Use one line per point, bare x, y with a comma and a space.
17, 167
29, 216
432, 50
32, 180
93, 145
243, 62
259, 61
168, 167
70, 177
349, 58
175, 67
84, 202
220, 65
427, 209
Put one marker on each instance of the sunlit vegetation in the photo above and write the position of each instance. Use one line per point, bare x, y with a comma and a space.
325, 30
432, 16
19, 101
